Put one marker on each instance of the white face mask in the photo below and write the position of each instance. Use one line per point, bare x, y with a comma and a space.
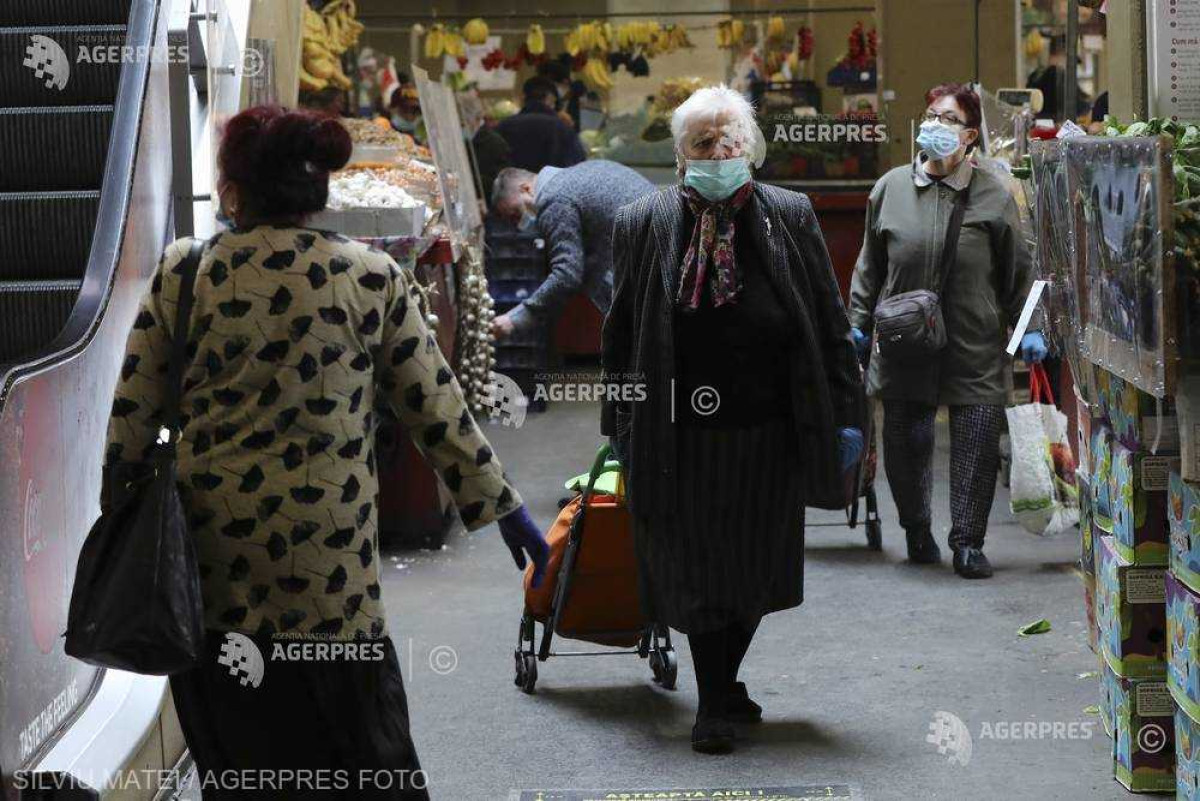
938, 140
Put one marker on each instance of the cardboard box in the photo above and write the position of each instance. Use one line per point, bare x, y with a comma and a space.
1101, 483
1083, 431
1183, 514
1187, 399
1089, 607
1183, 645
1138, 483
1087, 548
1140, 421
1142, 722
1187, 756
1130, 613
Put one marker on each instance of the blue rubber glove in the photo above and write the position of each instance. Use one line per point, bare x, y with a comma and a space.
850, 447
522, 536
862, 342
1033, 347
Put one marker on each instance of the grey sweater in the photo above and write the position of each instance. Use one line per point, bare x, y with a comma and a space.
575, 211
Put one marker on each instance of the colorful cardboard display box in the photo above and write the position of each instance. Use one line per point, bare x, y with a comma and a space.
1089, 607
1137, 494
1139, 421
1183, 513
1187, 756
1183, 645
1130, 613
1087, 550
1101, 483
1142, 721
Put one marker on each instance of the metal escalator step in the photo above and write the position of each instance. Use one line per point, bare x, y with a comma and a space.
92, 66
31, 315
64, 12
46, 235
53, 148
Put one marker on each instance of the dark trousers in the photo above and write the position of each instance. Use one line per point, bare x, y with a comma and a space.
315, 729
908, 439
717, 656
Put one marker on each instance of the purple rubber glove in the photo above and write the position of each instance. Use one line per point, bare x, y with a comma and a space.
522, 536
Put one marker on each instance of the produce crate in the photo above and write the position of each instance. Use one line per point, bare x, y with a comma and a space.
1142, 725
1130, 613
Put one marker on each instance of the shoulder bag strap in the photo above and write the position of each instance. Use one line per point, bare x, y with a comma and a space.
183, 312
953, 228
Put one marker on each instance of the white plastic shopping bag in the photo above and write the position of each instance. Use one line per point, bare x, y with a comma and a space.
1043, 495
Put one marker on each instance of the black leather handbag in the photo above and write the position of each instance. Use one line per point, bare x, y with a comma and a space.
136, 603
910, 326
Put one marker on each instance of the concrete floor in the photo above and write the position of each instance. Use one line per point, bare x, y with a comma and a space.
850, 681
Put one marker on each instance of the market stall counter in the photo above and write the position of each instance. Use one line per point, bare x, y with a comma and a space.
841, 208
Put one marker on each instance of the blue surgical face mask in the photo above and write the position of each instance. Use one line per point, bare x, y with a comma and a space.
403, 125
938, 140
717, 179
527, 222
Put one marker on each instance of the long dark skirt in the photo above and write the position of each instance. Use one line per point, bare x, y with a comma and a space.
733, 550
340, 728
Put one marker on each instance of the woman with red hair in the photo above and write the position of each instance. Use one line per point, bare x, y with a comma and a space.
982, 285
297, 340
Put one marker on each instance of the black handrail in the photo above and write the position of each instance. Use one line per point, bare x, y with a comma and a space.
115, 196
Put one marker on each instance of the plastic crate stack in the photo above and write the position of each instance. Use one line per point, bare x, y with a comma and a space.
1127, 455
1183, 592
516, 267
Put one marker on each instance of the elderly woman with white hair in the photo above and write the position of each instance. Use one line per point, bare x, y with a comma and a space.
726, 309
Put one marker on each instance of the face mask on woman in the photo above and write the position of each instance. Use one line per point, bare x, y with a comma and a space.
403, 125
937, 139
717, 179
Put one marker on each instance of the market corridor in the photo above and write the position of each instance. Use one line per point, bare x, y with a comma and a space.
849, 682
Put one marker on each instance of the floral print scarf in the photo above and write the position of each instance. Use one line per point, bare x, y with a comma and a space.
710, 255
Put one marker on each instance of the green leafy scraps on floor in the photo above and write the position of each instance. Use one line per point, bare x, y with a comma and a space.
1036, 627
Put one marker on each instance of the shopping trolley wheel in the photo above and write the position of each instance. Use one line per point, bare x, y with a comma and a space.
874, 535
664, 666
526, 672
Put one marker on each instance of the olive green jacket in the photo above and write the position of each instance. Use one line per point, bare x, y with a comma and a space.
905, 231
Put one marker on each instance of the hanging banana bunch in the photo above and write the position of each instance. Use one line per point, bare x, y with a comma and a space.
435, 42
452, 43
596, 73
730, 33
535, 40
324, 37
475, 32
775, 28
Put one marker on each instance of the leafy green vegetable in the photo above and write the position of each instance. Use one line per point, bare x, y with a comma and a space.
1036, 627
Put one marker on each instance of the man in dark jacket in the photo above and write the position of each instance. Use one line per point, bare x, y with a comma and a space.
537, 136
573, 209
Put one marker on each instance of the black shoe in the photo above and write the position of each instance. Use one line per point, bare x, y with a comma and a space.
970, 563
739, 708
712, 735
922, 548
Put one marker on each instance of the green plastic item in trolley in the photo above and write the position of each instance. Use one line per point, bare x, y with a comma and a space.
606, 481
